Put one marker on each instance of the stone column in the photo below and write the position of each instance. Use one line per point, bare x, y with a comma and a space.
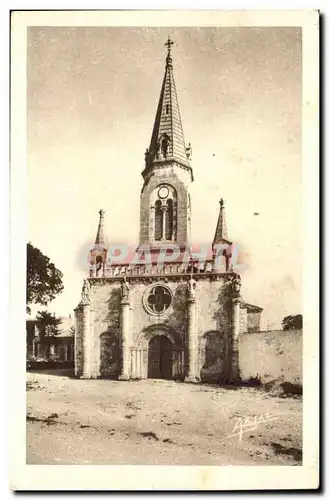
125, 331
86, 341
144, 367
78, 342
134, 363
92, 270
175, 370
181, 364
235, 330
105, 263
137, 360
152, 223
82, 342
163, 232
192, 375
235, 369
33, 347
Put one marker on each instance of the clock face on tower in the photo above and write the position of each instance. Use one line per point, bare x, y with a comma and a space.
163, 192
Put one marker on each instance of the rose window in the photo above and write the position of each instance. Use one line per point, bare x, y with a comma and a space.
158, 300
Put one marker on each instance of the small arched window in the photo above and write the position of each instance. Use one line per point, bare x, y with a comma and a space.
165, 146
158, 221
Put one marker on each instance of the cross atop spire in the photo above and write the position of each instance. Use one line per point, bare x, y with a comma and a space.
168, 44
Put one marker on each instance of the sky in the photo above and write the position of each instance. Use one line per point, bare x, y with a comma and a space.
92, 94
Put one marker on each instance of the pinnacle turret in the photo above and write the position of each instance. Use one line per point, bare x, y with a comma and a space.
221, 229
100, 240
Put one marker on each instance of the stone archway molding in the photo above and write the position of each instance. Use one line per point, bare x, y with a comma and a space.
160, 329
139, 352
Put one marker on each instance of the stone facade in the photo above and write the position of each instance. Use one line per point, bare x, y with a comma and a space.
175, 320
202, 325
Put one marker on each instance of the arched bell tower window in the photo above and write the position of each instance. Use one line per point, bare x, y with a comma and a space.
164, 207
158, 221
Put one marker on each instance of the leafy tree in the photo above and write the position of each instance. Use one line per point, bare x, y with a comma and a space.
47, 324
44, 281
292, 322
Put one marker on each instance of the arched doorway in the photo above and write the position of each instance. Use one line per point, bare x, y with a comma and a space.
160, 357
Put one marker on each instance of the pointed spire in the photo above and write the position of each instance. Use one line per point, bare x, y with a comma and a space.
167, 141
100, 231
221, 229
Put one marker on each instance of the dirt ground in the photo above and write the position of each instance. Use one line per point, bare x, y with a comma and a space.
158, 422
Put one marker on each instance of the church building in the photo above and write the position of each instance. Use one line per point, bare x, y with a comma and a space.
167, 313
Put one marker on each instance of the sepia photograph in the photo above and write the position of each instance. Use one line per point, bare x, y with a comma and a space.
165, 222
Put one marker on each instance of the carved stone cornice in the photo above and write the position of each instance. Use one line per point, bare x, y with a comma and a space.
157, 163
166, 278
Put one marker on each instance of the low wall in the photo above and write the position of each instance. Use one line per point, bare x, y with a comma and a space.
47, 365
272, 355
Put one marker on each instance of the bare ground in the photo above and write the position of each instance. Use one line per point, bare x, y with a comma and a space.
157, 422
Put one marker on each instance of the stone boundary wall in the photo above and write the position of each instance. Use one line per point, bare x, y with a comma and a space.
272, 355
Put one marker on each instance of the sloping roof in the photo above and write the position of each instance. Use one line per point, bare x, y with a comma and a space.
251, 308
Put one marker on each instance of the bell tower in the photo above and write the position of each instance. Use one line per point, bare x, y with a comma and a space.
165, 207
